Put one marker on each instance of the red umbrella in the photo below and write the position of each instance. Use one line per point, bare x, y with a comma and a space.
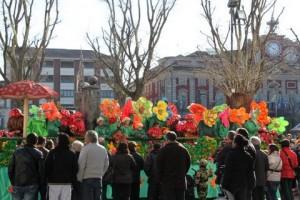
26, 90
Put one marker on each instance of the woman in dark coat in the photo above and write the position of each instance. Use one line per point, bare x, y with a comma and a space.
123, 166
238, 168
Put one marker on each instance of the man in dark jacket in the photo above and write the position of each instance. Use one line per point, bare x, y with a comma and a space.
261, 169
61, 169
150, 169
136, 175
222, 154
173, 163
25, 170
41, 146
250, 149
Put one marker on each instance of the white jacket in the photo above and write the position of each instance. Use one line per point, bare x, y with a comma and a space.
275, 163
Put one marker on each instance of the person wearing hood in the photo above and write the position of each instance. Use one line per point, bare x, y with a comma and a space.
261, 167
274, 172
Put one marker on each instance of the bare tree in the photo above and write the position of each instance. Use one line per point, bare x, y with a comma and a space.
22, 50
239, 70
131, 52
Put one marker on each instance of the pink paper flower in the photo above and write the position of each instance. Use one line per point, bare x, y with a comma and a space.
224, 116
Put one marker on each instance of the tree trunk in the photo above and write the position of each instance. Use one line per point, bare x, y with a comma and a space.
238, 100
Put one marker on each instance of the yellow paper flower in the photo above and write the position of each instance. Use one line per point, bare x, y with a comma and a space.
210, 117
161, 110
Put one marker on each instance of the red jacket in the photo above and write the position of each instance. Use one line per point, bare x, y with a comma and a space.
288, 171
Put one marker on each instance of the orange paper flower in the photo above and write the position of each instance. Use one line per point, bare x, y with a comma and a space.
260, 113
197, 110
238, 116
110, 108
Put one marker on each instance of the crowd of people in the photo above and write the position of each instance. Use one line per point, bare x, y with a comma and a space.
68, 169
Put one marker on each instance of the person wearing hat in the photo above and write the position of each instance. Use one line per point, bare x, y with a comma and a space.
173, 163
101, 129
126, 126
289, 163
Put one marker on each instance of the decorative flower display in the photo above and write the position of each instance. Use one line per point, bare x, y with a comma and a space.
224, 117
36, 112
15, 112
238, 116
66, 117
160, 110
260, 112
110, 108
210, 117
77, 124
278, 125
197, 110
127, 110
143, 108
51, 111
220, 108
155, 132
111, 148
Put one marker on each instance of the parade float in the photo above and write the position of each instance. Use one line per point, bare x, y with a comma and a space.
200, 129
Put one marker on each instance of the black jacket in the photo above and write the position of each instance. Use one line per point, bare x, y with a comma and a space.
173, 163
123, 166
61, 166
220, 161
136, 175
261, 167
26, 167
150, 167
237, 172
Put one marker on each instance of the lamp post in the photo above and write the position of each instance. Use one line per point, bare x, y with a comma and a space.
235, 14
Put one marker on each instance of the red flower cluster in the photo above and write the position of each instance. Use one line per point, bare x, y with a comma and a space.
155, 132
74, 121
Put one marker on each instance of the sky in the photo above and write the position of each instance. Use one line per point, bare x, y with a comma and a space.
181, 35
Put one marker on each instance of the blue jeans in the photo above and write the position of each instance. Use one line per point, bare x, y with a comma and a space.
272, 188
91, 189
25, 192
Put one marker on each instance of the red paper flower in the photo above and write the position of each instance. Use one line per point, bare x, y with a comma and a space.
155, 132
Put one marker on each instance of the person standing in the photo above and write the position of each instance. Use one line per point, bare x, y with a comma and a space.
261, 167
221, 156
41, 146
123, 166
173, 163
150, 169
274, 172
250, 149
136, 178
25, 170
289, 163
77, 147
93, 163
61, 168
238, 166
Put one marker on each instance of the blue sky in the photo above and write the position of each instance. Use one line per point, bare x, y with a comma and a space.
181, 34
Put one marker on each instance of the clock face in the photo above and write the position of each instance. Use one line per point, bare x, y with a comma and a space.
273, 49
291, 55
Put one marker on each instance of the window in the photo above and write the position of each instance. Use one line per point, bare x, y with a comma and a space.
46, 78
48, 64
203, 97
107, 94
67, 65
67, 79
89, 65
67, 93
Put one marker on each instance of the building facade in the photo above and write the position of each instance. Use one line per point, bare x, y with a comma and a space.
59, 72
183, 80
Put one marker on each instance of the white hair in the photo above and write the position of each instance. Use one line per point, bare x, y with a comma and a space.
255, 140
77, 145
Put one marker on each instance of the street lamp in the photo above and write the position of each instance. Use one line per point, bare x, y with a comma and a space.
236, 14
